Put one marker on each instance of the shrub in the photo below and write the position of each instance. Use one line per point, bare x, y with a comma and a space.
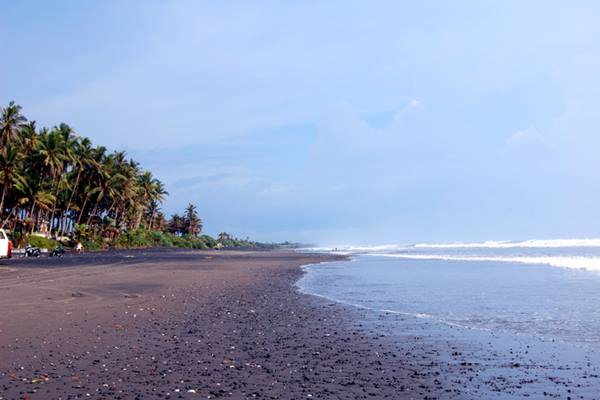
143, 237
92, 244
135, 238
165, 240
208, 241
82, 233
42, 242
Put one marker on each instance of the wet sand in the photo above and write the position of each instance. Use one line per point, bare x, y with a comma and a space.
194, 324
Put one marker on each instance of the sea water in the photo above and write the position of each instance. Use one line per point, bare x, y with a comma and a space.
546, 289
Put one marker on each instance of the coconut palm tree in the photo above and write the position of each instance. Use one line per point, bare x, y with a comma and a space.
107, 187
82, 160
10, 172
11, 122
128, 192
29, 138
157, 197
146, 192
55, 176
193, 224
52, 152
92, 176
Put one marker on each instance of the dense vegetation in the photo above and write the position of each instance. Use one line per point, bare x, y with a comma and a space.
58, 186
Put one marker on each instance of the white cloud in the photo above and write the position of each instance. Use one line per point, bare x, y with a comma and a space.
527, 136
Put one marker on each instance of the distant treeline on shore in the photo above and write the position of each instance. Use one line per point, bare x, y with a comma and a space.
59, 187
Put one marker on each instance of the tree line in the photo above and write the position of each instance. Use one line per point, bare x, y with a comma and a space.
59, 183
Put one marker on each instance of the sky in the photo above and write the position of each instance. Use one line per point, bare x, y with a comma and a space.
337, 122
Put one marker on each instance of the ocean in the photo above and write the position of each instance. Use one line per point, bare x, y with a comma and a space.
543, 288
525, 315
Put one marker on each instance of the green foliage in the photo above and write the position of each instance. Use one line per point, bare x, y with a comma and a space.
229, 241
81, 233
193, 224
61, 183
189, 224
189, 242
93, 244
209, 241
165, 240
42, 242
146, 238
55, 178
135, 238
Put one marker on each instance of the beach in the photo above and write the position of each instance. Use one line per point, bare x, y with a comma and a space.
490, 329
194, 324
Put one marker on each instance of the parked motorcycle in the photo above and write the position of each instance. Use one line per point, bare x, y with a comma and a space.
57, 252
32, 251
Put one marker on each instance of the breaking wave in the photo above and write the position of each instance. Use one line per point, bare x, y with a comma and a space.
581, 254
573, 262
347, 249
499, 244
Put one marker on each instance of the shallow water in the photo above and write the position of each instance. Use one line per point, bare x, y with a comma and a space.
496, 329
532, 299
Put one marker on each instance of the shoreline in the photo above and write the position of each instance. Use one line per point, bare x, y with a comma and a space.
191, 324
470, 362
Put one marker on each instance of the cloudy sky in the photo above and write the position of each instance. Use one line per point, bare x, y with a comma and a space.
332, 122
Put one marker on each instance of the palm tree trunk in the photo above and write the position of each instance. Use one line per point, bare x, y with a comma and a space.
54, 207
72, 194
82, 210
139, 218
61, 222
8, 218
93, 213
31, 215
2, 202
111, 208
31, 210
151, 219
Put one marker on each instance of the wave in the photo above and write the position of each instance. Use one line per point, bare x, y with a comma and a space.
505, 244
573, 262
490, 244
346, 249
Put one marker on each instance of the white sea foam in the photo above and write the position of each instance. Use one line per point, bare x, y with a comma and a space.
499, 244
490, 244
573, 262
346, 249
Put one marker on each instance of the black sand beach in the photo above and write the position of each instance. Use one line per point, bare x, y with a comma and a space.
152, 324
189, 324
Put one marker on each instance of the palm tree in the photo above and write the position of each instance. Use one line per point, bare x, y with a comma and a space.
128, 193
10, 171
29, 137
52, 152
157, 197
11, 122
224, 237
106, 187
92, 176
193, 224
81, 160
146, 192
33, 190
32, 194
59, 177
176, 225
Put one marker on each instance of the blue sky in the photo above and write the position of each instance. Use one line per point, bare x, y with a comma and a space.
332, 122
